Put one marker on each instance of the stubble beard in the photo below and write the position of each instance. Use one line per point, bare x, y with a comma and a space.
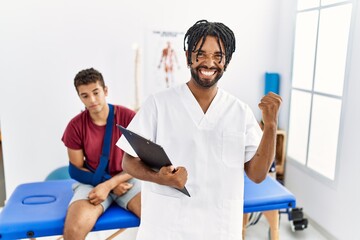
205, 83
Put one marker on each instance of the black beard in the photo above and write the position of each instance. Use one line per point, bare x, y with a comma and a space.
195, 76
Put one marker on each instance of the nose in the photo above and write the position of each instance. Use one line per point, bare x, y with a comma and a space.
209, 60
92, 98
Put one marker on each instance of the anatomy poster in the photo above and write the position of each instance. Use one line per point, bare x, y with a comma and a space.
165, 61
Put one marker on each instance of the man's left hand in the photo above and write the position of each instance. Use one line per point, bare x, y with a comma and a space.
269, 105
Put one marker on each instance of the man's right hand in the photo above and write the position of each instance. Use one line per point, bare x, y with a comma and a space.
98, 194
173, 177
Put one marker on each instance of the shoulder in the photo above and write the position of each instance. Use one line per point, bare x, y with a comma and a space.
122, 110
123, 115
75, 129
231, 99
167, 93
156, 101
233, 105
80, 118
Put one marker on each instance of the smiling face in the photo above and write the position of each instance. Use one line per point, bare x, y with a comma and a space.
207, 63
93, 96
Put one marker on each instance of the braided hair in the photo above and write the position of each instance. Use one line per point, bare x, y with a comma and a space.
201, 29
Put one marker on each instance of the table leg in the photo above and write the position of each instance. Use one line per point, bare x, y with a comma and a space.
273, 219
245, 221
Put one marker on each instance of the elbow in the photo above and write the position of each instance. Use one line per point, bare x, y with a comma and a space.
256, 171
129, 164
124, 162
255, 175
257, 179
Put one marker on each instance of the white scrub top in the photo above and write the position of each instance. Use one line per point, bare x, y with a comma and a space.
213, 147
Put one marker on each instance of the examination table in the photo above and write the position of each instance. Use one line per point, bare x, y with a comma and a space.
38, 209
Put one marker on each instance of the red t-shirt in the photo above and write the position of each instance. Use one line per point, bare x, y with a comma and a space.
82, 133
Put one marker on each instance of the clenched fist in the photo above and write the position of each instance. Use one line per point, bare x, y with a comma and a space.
173, 177
269, 105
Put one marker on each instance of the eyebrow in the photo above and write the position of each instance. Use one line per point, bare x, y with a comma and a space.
202, 51
94, 90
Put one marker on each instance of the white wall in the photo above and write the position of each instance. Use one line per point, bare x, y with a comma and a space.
43, 44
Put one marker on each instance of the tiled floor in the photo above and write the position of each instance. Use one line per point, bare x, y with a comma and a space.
254, 232
259, 231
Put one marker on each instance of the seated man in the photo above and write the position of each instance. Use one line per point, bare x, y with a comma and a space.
84, 137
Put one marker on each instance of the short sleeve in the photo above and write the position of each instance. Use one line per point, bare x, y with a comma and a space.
144, 123
72, 136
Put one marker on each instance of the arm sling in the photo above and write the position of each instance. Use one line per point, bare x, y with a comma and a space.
100, 174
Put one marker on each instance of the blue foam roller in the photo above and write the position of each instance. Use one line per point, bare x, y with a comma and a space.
272, 82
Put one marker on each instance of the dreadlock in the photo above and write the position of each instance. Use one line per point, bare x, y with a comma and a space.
201, 29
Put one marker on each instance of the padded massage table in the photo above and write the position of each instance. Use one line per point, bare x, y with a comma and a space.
38, 209
266, 196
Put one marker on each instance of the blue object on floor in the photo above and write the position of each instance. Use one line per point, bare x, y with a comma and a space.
59, 173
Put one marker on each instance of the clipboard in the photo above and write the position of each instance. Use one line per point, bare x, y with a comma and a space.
149, 152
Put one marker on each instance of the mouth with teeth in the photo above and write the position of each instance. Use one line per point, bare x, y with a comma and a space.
206, 72
206, 77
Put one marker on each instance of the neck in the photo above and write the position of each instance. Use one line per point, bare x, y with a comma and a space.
203, 96
100, 118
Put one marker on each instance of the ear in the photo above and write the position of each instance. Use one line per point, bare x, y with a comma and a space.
106, 91
186, 57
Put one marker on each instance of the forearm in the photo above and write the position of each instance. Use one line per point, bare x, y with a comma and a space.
76, 158
136, 168
167, 175
83, 168
258, 167
117, 179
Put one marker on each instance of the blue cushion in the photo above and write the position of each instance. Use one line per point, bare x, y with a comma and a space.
59, 173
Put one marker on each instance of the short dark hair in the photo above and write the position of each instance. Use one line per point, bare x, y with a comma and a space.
88, 76
201, 29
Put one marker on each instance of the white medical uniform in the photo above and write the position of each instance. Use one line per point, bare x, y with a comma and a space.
213, 147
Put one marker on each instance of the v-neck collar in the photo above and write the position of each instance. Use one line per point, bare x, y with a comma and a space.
201, 119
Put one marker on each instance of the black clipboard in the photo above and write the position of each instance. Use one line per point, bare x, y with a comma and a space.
149, 152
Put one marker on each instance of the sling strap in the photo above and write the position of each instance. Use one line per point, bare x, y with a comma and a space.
100, 174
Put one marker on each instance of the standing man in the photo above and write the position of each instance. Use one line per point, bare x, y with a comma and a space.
84, 137
211, 137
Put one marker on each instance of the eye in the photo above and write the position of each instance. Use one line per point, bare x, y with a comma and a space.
200, 55
218, 56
